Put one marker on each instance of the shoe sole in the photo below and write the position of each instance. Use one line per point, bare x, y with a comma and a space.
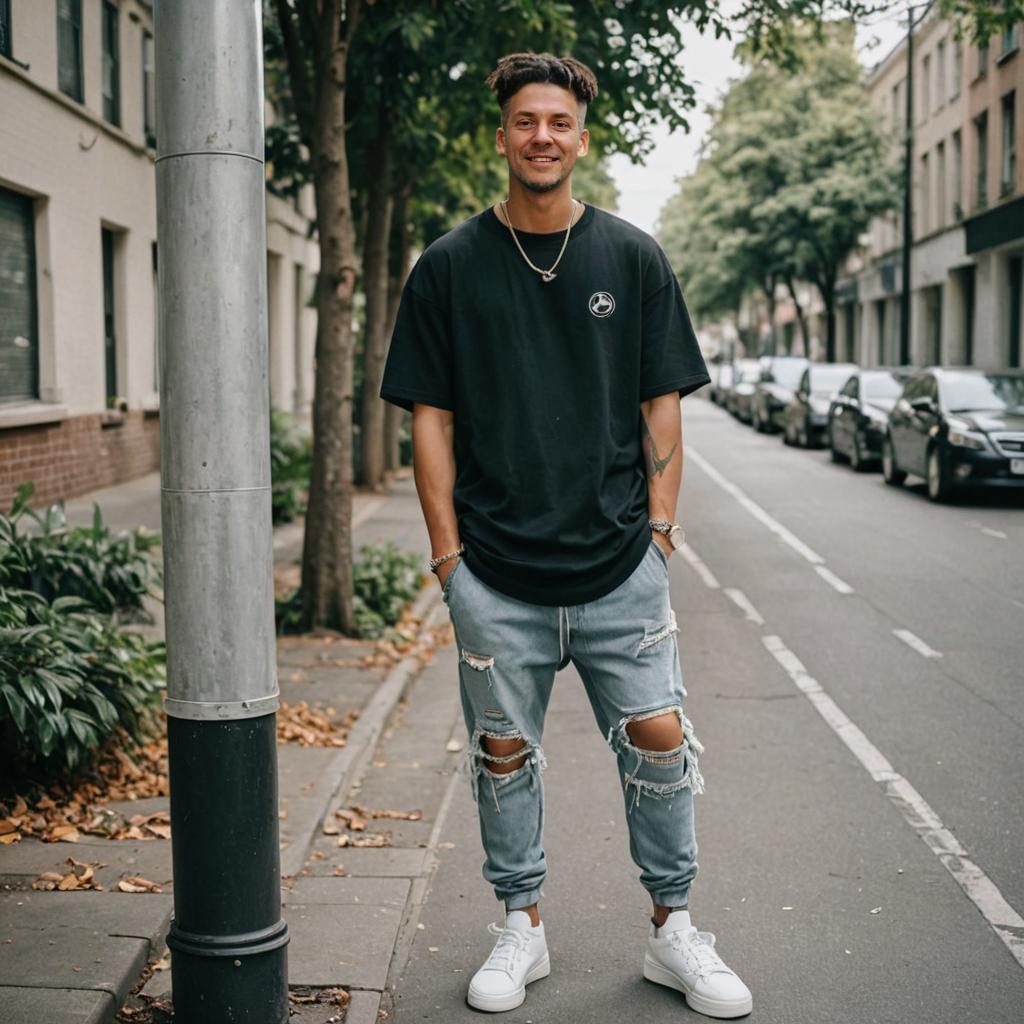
722, 1009
498, 1004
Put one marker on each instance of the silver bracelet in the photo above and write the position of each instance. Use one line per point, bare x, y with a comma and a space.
435, 562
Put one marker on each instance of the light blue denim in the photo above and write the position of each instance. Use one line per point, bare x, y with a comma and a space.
624, 647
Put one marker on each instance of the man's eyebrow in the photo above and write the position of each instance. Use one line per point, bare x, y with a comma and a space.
530, 113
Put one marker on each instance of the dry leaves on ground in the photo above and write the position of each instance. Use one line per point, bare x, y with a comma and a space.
154, 1011
133, 883
322, 996
370, 839
81, 876
394, 815
409, 639
312, 727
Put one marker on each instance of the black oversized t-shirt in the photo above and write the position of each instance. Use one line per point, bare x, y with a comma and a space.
545, 381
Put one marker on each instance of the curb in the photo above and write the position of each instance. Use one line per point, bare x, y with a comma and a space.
350, 761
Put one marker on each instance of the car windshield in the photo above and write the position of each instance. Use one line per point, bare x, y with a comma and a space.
825, 379
879, 386
971, 392
787, 372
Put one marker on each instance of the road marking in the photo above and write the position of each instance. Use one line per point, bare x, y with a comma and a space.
977, 886
916, 643
993, 533
755, 510
702, 570
743, 602
833, 580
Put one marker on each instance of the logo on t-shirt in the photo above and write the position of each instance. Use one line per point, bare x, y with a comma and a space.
602, 304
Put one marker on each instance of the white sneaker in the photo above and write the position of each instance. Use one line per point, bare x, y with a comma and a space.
683, 958
519, 956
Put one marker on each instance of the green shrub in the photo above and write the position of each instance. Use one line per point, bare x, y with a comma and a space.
385, 579
291, 463
109, 573
68, 679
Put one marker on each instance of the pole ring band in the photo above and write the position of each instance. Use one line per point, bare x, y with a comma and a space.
243, 944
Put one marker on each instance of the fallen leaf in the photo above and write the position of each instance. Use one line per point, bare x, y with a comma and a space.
10, 837
6, 825
330, 829
453, 746
370, 840
340, 872
62, 834
133, 883
877, 910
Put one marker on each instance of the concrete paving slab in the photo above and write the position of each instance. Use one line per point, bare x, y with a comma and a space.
54, 1006
24, 862
386, 892
386, 862
332, 945
362, 1008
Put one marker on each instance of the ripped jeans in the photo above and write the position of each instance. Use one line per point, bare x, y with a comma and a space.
624, 647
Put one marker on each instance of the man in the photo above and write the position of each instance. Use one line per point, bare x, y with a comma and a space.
543, 347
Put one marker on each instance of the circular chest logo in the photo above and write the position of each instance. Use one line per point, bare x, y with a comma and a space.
602, 304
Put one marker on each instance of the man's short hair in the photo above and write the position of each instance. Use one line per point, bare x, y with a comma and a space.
518, 69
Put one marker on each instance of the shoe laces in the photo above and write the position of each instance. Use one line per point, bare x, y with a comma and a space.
507, 949
698, 952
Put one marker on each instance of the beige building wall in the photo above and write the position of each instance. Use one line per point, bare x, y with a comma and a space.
84, 174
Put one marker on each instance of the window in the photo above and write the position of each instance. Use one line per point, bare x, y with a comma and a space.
926, 88
19, 343
958, 70
941, 210
981, 157
926, 196
5, 27
958, 177
69, 48
1010, 41
1008, 170
148, 90
109, 324
940, 74
983, 59
111, 65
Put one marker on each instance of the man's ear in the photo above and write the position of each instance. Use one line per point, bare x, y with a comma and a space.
499, 141
584, 147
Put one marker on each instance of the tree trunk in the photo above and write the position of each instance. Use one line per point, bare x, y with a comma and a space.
828, 296
401, 257
769, 291
327, 545
801, 319
375, 287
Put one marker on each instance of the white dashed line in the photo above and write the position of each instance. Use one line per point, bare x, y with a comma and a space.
755, 510
743, 603
998, 534
833, 580
978, 887
916, 643
702, 570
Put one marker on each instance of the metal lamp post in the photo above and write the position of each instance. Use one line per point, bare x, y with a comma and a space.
228, 938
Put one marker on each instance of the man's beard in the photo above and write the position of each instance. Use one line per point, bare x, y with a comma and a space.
539, 186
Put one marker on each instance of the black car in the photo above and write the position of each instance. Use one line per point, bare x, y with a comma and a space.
806, 416
957, 426
745, 373
780, 376
859, 414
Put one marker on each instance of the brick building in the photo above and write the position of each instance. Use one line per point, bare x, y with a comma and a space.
79, 395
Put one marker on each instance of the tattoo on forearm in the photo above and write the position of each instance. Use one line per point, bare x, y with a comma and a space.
656, 465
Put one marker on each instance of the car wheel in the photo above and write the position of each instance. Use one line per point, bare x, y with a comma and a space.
938, 476
894, 476
758, 425
834, 454
802, 438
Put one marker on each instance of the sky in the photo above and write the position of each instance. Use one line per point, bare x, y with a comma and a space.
643, 190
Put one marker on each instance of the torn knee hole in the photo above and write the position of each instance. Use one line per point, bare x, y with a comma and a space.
480, 662
660, 732
503, 755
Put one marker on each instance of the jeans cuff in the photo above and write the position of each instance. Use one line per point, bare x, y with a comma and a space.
677, 899
520, 900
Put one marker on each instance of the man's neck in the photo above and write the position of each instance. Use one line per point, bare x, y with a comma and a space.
541, 212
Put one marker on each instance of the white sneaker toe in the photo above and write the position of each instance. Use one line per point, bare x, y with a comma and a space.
519, 957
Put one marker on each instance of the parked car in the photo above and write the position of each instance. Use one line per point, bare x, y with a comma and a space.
807, 414
956, 426
721, 383
780, 376
859, 414
745, 375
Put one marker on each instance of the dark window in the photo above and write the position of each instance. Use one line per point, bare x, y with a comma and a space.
1008, 175
1015, 296
981, 150
850, 387
111, 65
5, 27
19, 344
69, 48
109, 325
148, 90
968, 324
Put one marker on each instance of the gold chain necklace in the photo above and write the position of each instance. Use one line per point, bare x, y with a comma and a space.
549, 274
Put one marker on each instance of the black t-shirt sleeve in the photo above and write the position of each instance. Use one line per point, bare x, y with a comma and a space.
419, 363
670, 358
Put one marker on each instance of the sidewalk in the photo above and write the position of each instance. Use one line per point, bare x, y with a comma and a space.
74, 956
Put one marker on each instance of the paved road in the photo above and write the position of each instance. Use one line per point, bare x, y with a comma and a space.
854, 658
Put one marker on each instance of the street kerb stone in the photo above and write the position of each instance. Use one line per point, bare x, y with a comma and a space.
54, 1006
